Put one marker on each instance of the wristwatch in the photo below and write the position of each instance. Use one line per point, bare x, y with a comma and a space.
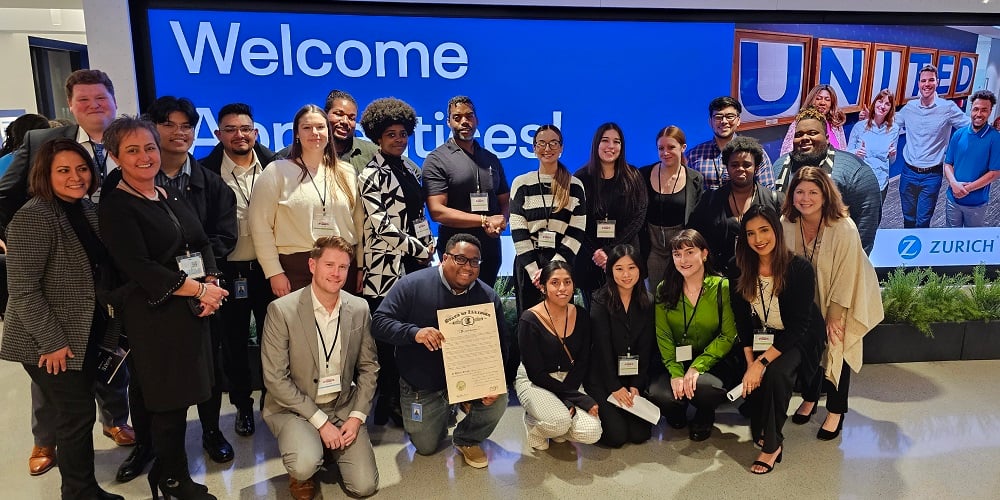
764, 361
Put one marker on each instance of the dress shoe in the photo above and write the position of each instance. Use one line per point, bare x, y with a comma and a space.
244, 424
676, 419
474, 456
181, 488
122, 435
135, 463
302, 490
107, 495
801, 418
697, 433
218, 449
825, 435
42, 459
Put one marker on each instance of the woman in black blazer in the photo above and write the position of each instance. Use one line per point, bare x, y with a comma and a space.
55, 256
621, 315
780, 327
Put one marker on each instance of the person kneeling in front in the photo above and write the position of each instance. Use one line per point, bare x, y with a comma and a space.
320, 367
408, 319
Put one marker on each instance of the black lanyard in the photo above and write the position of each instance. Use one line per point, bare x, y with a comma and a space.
687, 322
802, 232
548, 214
253, 180
322, 196
322, 342
562, 340
765, 308
170, 212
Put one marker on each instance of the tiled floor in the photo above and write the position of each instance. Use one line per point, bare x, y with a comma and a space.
919, 430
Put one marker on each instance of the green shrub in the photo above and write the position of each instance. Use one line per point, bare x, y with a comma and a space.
920, 297
985, 294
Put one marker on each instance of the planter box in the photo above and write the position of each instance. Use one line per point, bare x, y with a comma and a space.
982, 340
901, 343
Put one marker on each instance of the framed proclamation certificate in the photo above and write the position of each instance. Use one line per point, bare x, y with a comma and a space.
473, 361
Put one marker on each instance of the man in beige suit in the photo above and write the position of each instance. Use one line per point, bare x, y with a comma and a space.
320, 368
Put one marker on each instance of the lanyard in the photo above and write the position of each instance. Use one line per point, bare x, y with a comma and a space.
170, 212
322, 342
802, 232
562, 339
684, 318
253, 180
548, 214
322, 196
763, 307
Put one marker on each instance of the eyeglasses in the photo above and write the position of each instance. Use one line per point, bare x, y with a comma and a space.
245, 130
729, 117
463, 260
548, 144
173, 127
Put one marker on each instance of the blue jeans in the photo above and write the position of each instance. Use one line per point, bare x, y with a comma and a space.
918, 194
962, 216
433, 427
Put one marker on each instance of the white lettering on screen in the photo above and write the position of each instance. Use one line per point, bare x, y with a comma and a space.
260, 56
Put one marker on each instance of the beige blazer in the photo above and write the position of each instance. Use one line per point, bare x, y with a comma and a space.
290, 358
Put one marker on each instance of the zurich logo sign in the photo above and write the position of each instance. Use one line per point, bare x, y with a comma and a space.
909, 247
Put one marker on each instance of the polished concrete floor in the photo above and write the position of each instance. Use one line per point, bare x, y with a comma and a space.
918, 430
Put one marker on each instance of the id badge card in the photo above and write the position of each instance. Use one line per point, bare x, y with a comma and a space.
547, 239
480, 202
628, 365
329, 384
416, 412
421, 228
560, 376
606, 229
683, 353
240, 288
762, 340
192, 265
322, 224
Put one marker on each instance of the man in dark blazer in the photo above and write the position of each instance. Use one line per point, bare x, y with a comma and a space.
320, 369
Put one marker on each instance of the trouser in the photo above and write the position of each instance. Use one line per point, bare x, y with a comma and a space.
489, 251
918, 194
709, 393
112, 401
70, 397
302, 454
659, 253
619, 426
836, 397
768, 404
208, 410
546, 416
140, 415
235, 318
956, 215
427, 431
388, 373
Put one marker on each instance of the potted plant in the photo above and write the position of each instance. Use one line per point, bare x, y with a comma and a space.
982, 337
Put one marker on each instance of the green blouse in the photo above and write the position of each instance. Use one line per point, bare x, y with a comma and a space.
709, 343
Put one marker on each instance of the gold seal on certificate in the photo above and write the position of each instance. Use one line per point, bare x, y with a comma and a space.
473, 361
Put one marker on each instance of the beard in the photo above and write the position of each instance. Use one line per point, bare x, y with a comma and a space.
810, 159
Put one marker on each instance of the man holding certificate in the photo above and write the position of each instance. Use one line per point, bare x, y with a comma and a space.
473, 363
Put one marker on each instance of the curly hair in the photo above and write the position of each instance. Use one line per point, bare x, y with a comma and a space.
811, 113
743, 144
384, 113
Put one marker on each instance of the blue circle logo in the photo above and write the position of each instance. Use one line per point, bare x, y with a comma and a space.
909, 247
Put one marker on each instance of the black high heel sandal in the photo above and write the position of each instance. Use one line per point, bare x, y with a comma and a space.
767, 467
183, 489
825, 435
800, 419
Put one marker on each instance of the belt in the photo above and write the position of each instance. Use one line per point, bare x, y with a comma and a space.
936, 169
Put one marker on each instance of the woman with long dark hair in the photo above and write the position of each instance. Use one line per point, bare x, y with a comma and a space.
299, 199
780, 327
616, 206
694, 330
623, 358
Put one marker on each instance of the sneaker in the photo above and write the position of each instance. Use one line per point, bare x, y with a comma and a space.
559, 439
474, 456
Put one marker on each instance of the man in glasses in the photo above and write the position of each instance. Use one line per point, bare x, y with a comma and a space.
706, 158
408, 319
239, 159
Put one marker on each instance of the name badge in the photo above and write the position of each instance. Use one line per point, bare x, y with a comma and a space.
683, 353
480, 202
547, 239
244, 225
322, 224
329, 384
416, 412
421, 228
606, 229
762, 340
192, 265
240, 290
560, 376
628, 365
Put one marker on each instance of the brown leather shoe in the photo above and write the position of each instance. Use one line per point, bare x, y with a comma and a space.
42, 459
122, 436
301, 490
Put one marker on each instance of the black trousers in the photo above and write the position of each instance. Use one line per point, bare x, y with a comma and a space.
167, 431
620, 427
768, 404
709, 393
71, 397
388, 373
836, 397
235, 323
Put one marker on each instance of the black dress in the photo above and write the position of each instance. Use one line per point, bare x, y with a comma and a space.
170, 345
